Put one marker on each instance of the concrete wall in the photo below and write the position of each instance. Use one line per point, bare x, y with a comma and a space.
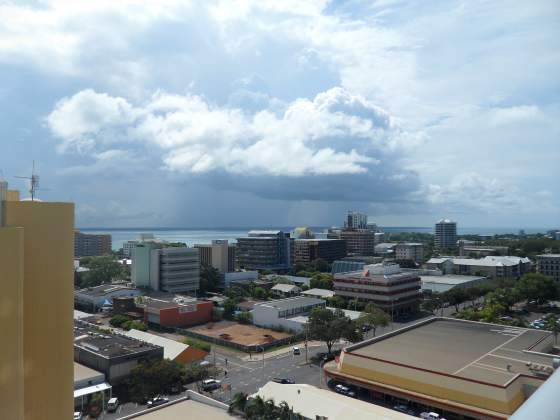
48, 304
11, 322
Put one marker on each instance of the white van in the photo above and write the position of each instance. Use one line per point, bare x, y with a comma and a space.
112, 405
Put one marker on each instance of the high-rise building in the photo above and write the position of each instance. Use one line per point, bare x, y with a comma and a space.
446, 234
175, 269
549, 265
308, 250
217, 255
358, 241
356, 220
265, 250
36, 304
91, 245
171, 269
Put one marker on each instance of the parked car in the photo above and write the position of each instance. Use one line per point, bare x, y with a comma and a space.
344, 390
430, 416
404, 409
296, 351
211, 384
77, 415
112, 405
154, 402
283, 380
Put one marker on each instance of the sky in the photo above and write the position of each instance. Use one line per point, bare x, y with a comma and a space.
209, 113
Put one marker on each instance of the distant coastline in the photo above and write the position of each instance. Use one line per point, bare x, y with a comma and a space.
192, 236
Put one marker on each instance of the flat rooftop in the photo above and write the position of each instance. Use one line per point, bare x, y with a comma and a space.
294, 302
450, 279
465, 349
104, 289
187, 409
82, 373
107, 345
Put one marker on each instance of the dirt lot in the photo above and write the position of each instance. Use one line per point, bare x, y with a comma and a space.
247, 335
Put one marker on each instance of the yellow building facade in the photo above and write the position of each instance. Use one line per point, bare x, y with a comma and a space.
36, 308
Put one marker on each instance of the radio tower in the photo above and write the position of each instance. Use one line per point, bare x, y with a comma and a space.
33, 182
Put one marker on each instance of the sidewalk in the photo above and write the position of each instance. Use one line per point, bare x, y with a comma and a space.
257, 357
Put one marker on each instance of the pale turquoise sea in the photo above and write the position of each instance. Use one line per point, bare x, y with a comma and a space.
205, 236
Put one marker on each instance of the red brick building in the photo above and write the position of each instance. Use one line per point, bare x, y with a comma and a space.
182, 313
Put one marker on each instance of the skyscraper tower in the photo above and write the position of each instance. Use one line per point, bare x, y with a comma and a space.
36, 306
446, 234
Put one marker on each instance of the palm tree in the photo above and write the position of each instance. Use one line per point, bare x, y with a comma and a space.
238, 403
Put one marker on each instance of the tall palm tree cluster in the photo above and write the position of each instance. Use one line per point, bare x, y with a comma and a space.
261, 409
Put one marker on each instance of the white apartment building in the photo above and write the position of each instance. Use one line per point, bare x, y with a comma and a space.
492, 267
175, 269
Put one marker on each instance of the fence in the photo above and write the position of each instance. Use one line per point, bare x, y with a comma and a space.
242, 347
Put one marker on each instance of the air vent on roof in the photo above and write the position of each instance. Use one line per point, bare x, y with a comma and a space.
90, 346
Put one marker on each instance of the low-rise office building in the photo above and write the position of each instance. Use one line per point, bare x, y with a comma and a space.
410, 251
88, 382
443, 283
455, 367
172, 350
471, 250
309, 250
492, 267
549, 265
178, 311
95, 298
319, 293
387, 286
114, 355
282, 290
290, 313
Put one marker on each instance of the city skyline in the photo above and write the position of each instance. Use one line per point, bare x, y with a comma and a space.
214, 114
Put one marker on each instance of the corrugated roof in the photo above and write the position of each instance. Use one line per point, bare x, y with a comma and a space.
171, 348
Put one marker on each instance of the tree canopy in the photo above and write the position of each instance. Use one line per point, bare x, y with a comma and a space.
330, 326
103, 269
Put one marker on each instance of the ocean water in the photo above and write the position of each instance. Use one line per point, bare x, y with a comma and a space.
205, 236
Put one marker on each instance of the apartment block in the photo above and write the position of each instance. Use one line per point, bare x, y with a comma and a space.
445, 234
492, 267
218, 254
36, 273
175, 270
91, 245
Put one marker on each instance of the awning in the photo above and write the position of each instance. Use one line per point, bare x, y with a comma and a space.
91, 389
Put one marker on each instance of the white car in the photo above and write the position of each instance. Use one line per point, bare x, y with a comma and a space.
211, 384
77, 415
430, 416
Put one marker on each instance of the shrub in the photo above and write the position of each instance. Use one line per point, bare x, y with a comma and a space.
198, 344
118, 320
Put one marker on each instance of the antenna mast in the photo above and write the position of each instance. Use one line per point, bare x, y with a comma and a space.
33, 182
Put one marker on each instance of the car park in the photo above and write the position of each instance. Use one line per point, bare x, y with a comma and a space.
211, 384
154, 402
344, 390
283, 380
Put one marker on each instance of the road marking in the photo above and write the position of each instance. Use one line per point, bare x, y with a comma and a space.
490, 367
234, 363
508, 358
489, 353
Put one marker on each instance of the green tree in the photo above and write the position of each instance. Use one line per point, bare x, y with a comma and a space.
244, 318
433, 304
553, 326
118, 320
321, 265
455, 297
337, 302
538, 287
151, 378
210, 278
238, 403
321, 281
101, 270
260, 293
134, 325
374, 317
230, 306
328, 326
504, 297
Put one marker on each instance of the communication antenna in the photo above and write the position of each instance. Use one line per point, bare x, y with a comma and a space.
33, 182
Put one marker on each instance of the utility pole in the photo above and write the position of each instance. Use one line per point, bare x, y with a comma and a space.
306, 347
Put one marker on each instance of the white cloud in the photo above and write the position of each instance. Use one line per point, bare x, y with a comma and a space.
336, 133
